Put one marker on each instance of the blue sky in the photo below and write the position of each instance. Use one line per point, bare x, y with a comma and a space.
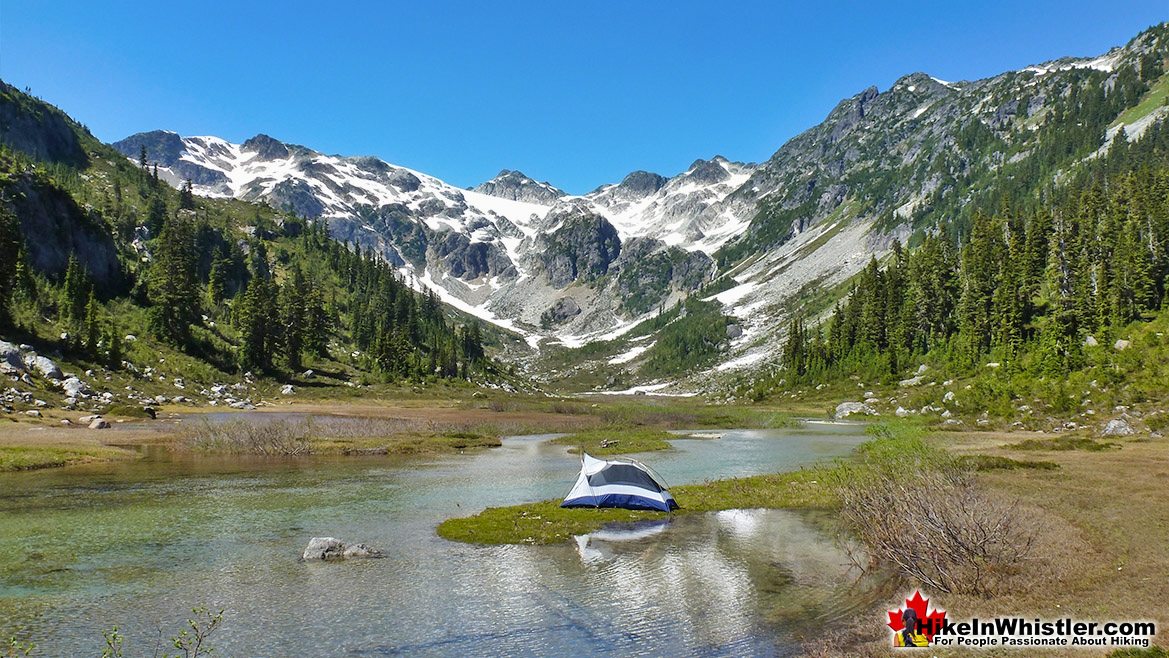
575, 93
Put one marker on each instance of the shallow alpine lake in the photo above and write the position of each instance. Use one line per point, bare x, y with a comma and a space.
137, 545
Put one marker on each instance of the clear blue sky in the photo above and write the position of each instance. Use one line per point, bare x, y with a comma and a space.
575, 93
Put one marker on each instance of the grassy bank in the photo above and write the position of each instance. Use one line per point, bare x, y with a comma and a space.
808, 488
327, 435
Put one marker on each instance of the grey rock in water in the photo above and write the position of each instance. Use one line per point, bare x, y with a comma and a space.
331, 548
1118, 427
846, 409
99, 424
361, 550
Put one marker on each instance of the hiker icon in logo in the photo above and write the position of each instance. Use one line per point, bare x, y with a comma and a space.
916, 624
911, 635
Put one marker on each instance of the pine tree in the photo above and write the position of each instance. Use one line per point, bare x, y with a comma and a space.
187, 196
256, 321
92, 325
114, 343
293, 318
173, 285
11, 262
74, 293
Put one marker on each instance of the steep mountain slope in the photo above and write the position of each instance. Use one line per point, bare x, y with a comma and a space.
107, 273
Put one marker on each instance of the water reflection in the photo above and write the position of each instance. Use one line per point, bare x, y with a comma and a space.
138, 544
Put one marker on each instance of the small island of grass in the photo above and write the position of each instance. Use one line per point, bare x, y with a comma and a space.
613, 441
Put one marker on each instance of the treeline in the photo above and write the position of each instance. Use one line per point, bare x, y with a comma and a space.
1026, 289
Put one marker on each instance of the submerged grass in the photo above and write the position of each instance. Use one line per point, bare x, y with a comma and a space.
815, 487
28, 458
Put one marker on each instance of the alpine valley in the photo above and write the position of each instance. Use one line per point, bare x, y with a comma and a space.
757, 242
689, 283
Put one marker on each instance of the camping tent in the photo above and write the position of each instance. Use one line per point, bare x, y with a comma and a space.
618, 483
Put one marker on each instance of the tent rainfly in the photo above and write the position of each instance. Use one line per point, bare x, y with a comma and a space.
621, 483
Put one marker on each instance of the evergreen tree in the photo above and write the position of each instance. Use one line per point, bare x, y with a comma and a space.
11, 262
173, 285
187, 196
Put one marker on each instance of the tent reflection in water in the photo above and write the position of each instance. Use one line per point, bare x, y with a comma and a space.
624, 483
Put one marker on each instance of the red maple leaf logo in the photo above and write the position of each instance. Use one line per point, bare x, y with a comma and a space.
931, 620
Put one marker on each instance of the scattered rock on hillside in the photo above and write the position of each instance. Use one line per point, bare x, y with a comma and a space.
47, 367
1121, 345
1118, 427
10, 360
74, 387
288, 389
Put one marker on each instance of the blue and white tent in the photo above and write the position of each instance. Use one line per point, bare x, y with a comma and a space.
624, 483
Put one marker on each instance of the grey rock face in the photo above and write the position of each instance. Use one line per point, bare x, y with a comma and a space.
649, 271
580, 250
266, 147
45, 136
516, 186
465, 259
56, 228
641, 184
297, 196
564, 309
708, 171
165, 149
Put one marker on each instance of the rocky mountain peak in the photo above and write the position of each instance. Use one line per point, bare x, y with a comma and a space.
162, 146
517, 186
642, 183
708, 171
267, 148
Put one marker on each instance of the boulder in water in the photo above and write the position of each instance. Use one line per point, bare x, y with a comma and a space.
331, 548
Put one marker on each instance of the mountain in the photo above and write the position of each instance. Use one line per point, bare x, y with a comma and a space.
761, 242
511, 250
514, 185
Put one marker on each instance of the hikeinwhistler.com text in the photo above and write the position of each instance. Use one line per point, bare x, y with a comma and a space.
1002, 632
